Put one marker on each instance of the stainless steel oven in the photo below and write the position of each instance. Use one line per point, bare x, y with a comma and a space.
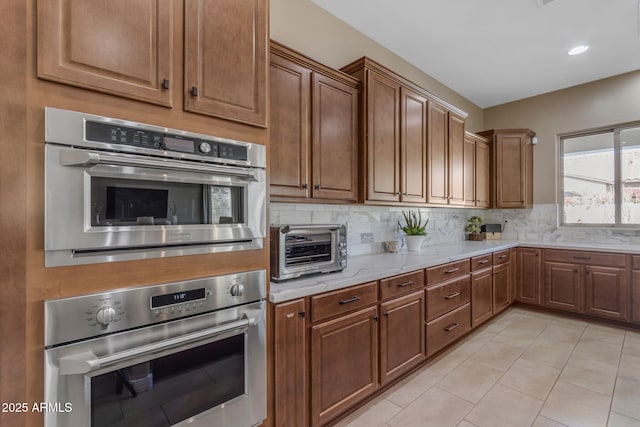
184, 353
119, 190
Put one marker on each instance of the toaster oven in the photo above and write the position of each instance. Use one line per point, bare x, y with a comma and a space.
298, 250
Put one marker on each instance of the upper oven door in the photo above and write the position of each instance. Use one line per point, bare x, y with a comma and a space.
100, 201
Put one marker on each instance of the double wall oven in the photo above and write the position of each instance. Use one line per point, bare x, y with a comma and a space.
119, 190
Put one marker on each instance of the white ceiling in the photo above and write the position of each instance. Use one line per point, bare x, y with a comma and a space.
496, 51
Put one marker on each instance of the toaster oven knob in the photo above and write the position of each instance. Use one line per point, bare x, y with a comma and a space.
105, 315
343, 252
204, 147
237, 290
343, 263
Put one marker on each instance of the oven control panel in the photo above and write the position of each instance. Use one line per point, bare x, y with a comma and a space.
76, 318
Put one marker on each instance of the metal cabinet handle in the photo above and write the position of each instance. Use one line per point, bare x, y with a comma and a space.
402, 285
317, 187
484, 261
194, 91
502, 256
452, 270
165, 84
453, 295
350, 300
302, 314
305, 186
451, 327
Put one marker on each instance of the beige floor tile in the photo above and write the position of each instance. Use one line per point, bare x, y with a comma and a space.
632, 343
504, 407
373, 414
596, 350
465, 423
629, 365
516, 338
467, 348
497, 356
560, 334
576, 406
530, 378
446, 363
548, 353
498, 325
435, 408
604, 333
410, 389
530, 323
591, 374
470, 381
626, 397
619, 420
568, 322
546, 422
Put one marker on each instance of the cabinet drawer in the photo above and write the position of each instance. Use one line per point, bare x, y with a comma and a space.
401, 284
635, 262
482, 261
448, 296
584, 257
448, 328
501, 257
342, 301
447, 271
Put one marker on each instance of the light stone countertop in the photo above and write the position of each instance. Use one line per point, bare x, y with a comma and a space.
366, 268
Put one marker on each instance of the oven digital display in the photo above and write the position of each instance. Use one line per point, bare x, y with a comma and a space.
185, 145
178, 297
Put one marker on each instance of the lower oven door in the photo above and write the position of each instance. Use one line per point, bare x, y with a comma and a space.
178, 373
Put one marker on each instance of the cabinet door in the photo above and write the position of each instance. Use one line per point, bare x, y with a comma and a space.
511, 169
513, 259
413, 146
469, 171
120, 47
344, 363
383, 138
635, 296
402, 331
481, 296
529, 276
335, 140
437, 143
290, 358
225, 58
483, 174
289, 128
606, 291
501, 286
456, 159
563, 286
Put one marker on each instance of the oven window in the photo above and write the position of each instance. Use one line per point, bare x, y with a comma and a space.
120, 202
307, 249
165, 391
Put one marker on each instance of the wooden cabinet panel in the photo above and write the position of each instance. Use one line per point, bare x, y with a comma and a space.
469, 170
226, 59
402, 335
383, 138
481, 296
606, 291
481, 262
447, 296
585, 257
513, 259
343, 300
501, 257
335, 140
529, 276
456, 161
635, 296
447, 271
413, 146
448, 328
401, 284
120, 47
501, 286
438, 185
482, 174
289, 132
563, 287
290, 360
344, 363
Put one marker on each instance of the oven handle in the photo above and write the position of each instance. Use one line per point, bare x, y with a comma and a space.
86, 362
91, 158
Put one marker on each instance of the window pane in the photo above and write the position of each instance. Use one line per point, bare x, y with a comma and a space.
589, 177
630, 175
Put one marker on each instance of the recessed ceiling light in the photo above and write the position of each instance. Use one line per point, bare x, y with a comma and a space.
579, 49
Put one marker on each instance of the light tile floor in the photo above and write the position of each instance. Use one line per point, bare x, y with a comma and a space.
523, 368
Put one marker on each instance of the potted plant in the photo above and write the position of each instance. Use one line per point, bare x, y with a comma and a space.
414, 229
473, 228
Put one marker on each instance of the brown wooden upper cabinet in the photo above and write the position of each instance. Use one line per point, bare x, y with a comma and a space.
125, 48
313, 130
406, 135
512, 167
476, 171
119, 47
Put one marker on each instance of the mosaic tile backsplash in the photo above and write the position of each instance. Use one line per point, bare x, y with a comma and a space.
369, 227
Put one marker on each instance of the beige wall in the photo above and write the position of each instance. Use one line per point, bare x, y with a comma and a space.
309, 29
605, 102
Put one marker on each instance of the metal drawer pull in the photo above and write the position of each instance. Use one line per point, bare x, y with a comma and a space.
501, 256
484, 261
452, 270
402, 285
581, 257
347, 301
451, 327
453, 295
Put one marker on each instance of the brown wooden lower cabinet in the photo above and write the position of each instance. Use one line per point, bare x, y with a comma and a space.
448, 328
344, 363
635, 295
501, 285
528, 275
402, 335
606, 291
562, 286
481, 296
290, 361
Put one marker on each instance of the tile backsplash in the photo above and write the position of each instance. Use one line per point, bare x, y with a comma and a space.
368, 227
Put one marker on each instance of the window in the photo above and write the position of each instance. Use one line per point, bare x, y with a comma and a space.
601, 177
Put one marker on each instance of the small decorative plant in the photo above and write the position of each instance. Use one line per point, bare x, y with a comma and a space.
473, 228
413, 224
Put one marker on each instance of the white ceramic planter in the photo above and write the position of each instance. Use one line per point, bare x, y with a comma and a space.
414, 243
